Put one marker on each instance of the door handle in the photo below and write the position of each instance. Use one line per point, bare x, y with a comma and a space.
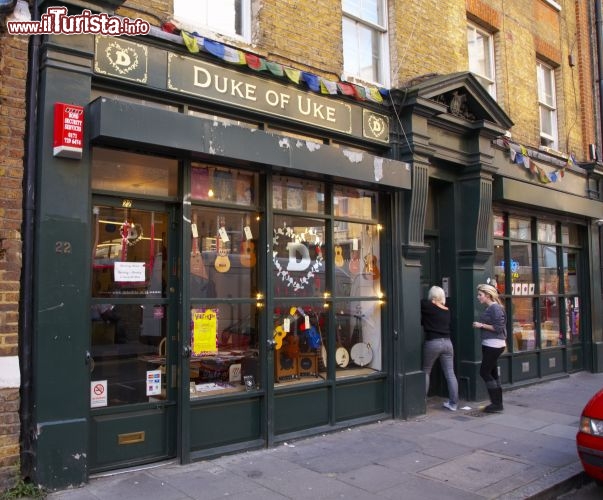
271, 343
186, 351
89, 360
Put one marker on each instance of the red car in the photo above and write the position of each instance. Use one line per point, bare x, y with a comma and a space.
590, 438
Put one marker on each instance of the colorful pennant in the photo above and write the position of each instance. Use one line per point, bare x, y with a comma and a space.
520, 156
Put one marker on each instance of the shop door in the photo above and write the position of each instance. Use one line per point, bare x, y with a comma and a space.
133, 337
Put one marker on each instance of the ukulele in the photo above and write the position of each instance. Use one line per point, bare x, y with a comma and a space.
338, 256
371, 271
248, 258
278, 335
222, 262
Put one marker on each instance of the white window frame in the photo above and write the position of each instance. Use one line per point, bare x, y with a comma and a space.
547, 103
197, 15
488, 79
380, 30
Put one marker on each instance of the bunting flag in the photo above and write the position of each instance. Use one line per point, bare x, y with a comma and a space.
191, 42
311, 80
195, 43
328, 87
214, 48
275, 68
293, 74
346, 88
255, 62
234, 56
521, 156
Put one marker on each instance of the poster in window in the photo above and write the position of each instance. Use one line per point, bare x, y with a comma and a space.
205, 329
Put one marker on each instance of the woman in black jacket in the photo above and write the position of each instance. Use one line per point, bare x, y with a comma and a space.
435, 319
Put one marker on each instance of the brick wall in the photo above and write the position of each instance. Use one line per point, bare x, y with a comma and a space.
13, 74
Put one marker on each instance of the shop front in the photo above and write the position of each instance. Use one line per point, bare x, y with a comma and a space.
523, 219
222, 267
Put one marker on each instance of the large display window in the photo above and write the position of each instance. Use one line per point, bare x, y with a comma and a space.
539, 281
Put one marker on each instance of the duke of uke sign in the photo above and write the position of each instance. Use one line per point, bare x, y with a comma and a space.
68, 130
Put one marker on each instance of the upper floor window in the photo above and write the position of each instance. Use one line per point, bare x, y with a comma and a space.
364, 40
547, 105
480, 45
232, 18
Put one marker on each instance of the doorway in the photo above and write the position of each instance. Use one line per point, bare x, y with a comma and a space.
133, 337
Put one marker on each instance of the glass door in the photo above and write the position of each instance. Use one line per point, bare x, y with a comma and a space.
133, 339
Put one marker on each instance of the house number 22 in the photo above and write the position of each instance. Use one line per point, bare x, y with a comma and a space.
63, 247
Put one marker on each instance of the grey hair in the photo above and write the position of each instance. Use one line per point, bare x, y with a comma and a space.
436, 293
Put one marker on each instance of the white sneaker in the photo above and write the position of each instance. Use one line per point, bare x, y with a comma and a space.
450, 406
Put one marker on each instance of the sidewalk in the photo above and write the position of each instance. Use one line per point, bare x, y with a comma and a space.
526, 452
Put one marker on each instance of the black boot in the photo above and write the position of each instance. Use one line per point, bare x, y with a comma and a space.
496, 398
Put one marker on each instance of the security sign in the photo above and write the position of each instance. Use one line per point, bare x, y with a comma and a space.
68, 130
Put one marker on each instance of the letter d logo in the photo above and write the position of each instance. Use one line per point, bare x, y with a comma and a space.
298, 264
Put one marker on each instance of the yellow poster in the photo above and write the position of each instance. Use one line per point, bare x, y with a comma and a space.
205, 329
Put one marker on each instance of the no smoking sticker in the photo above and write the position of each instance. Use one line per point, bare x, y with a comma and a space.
98, 393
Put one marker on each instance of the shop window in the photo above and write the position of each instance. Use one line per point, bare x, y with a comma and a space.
223, 290
544, 299
131, 173
221, 184
365, 40
232, 18
480, 45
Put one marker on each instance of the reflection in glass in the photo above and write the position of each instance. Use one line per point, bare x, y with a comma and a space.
550, 333
547, 232
519, 228
521, 269
298, 257
298, 195
224, 349
547, 268
132, 173
499, 226
130, 252
223, 253
569, 234
524, 333
499, 267
572, 320
123, 339
570, 272
220, 184
355, 203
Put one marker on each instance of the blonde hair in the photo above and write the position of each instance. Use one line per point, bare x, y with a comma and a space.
436, 293
491, 291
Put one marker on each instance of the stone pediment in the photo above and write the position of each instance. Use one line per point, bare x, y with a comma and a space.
463, 96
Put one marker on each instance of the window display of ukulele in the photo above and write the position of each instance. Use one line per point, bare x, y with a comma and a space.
338, 256
222, 262
278, 335
342, 356
248, 258
371, 271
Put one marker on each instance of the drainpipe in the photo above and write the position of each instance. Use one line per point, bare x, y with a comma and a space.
599, 55
26, 334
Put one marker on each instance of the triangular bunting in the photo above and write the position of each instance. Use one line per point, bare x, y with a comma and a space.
328, 87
